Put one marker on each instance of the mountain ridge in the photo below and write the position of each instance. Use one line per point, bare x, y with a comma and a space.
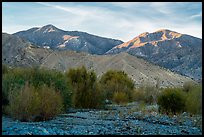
178, 52
140, 70
52, 37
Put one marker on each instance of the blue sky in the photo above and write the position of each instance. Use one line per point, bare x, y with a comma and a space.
119, 20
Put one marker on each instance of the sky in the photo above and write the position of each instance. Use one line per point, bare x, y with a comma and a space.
118, 20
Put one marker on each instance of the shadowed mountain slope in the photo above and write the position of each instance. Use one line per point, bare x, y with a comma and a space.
50, 36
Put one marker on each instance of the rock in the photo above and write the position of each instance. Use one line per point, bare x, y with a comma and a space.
108, 101
184, 131
51, 131
44, 131
184, 114
94, 125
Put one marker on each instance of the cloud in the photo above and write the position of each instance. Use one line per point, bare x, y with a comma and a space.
66, 9
120, 20
199, 15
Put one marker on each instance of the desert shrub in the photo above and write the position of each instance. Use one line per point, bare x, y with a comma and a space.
40, 76
188, 86
55, 79
86, 92
145, 93
11, 81
171, 101
5, 89
194, 100
23, 105
120, 97
62, 85
15, 80
51, 102
113, 81
151, 94
138, 95
31, 104
5, 69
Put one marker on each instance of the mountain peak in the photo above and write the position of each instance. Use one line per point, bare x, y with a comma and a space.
48, 28
153, 37
143, 34
163, 30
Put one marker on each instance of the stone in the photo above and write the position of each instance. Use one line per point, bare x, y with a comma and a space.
44, 131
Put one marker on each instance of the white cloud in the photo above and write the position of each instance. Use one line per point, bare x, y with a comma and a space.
197, 15
121, 20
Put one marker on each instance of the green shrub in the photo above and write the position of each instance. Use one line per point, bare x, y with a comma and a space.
188, 86
145, 93
151, 94
113, 81
171, 101
138, 95
51, 102
10, 82
31, 104
193, 103
62, 85
120, 97
23, 105
86, 93
15, 80
5, 69
55, 79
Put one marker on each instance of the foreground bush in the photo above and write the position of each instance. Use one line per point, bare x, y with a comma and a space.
188, 86
193, 102
55, 79
51, 102
151, 94
31, 104
145, 93
138, 95
120, 98
113, 81
15, 80
86, 91
171, 101
5, 69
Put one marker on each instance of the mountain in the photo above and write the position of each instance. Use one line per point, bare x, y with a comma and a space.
15, 51
19, 52
50, 36
178, 52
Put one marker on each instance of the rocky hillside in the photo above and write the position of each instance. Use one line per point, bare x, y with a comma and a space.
175, 51
51, 37
17, 52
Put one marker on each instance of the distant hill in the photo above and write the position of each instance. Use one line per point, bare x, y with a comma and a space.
50, 36
19, 52
15, 51
175, 51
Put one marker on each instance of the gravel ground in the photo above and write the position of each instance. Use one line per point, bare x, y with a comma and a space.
116, 119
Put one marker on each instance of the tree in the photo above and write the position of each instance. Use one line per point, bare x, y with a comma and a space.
114, 81
86, 93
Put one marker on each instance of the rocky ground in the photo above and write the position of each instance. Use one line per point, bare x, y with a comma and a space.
131, 119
